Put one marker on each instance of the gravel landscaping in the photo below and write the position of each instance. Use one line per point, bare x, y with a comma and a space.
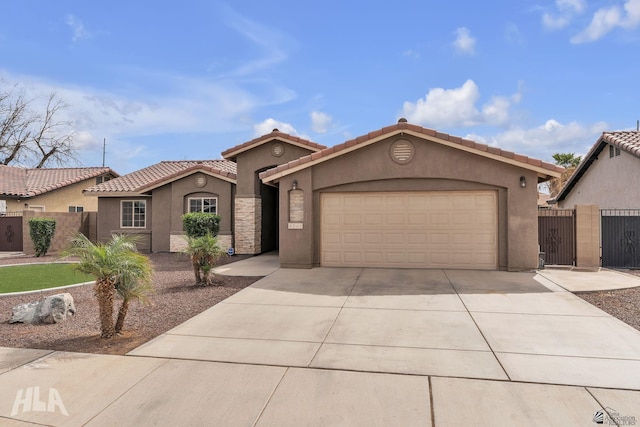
623, 304
176, 299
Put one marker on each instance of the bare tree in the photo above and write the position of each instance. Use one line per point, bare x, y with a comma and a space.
31, 138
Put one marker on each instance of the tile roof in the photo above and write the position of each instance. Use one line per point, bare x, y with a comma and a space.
403, 126
25, 183
231, 153
160, 173
628, 141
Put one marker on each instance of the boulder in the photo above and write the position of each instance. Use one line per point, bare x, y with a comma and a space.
53, 309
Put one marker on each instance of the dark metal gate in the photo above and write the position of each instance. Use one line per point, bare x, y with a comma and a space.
556, 235
620, 238
11, 232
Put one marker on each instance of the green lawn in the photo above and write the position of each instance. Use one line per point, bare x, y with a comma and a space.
33, 277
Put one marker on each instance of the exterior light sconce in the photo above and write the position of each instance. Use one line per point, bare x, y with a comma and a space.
294, 184
523, 182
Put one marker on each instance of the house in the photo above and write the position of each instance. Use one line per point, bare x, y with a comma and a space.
402, 196
606, 174
50, 189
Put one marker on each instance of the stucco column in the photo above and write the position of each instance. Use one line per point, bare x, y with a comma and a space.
248, 225
587, 236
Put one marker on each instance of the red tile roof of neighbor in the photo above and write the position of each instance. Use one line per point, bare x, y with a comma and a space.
25, 183
163, 172
231, 153
403, 126
628, 141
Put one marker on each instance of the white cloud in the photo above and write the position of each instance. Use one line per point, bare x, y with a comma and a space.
186, 106
551, 22
79, 31
566, 11
545, 140
464, 43
513, 34
457, 107
320, 122
606, 19
268, 125
273, 45
577, 6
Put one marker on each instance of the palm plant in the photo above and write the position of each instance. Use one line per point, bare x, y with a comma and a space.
118, 267
204, 252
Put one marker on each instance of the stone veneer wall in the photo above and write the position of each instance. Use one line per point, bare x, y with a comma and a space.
248, 225
178, 242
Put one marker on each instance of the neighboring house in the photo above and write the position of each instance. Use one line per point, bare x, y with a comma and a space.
150, 202
608, 174
49, 189
543, 200
402, 196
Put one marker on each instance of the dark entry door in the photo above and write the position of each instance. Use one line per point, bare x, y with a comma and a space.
556, 236
621, 238
11, 234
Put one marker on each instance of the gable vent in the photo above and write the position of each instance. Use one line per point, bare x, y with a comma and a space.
402, 151
277, 150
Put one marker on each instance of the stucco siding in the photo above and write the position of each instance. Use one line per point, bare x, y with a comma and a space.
58, 200
608, 182
433, 168
109, 221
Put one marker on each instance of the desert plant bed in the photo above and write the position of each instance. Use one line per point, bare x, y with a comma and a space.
176, 299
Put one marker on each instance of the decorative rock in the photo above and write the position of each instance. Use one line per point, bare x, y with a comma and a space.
53, 309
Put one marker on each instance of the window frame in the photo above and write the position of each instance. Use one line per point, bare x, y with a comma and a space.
133, 213
202, 199
76, 209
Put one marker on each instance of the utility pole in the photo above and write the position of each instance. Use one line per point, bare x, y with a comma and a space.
104, 149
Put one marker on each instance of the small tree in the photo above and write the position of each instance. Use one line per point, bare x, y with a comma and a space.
205, 253
129, 289
118, 267
198, 224
41, 231
570, 162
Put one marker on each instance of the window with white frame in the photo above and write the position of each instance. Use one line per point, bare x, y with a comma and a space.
76, 209
203, 204
133, 213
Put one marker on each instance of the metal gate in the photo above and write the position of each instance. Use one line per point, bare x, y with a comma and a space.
11, 232
556, 235
620, 238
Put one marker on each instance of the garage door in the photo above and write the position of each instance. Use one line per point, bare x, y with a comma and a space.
410, 229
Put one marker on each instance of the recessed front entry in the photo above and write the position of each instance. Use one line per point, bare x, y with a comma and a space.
434, 229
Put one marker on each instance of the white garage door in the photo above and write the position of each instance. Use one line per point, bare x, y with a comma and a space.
438, 229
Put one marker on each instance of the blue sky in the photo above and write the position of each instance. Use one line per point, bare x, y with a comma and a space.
186, 80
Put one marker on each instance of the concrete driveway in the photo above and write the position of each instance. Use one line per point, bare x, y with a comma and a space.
445, 323
352, 347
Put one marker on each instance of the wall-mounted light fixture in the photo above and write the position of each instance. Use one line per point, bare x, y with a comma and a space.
523, 181
294, 184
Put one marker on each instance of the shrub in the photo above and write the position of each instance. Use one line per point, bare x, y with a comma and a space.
205, 253
198, 224
41, 231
